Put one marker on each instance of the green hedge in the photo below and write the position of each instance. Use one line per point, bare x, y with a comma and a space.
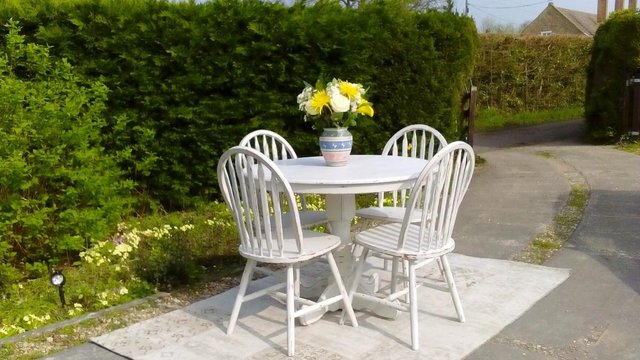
188, 80
615, 58
515, 74
59, 191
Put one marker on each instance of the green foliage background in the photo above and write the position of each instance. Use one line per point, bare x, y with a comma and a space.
516, 74
187, 81
59, 190
615, 59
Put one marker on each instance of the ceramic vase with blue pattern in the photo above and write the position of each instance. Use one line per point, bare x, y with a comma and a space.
335, 145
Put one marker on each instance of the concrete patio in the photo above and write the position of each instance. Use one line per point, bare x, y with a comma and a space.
593, 314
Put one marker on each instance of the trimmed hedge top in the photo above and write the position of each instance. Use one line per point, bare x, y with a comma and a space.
187, 81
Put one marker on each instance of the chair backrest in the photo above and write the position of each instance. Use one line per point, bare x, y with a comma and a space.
416, 141
258, 194
274, 146
271, 144
438, 192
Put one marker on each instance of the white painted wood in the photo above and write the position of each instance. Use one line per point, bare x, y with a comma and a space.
256, 192
414, 141
362, 174
276, 147
439, 190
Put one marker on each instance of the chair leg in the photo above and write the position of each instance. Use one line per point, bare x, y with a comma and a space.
291, 342
441, 268
356, 277
346, 300
413, 306
244, 284
394, 274
358, 272
296, 281
452, 288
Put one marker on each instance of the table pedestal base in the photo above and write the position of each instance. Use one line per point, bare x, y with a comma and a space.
369, 284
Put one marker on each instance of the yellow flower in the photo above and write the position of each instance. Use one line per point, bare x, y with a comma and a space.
349, 90
365, 108
318, 102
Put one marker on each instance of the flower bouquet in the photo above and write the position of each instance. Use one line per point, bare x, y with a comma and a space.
335, 104
333, 107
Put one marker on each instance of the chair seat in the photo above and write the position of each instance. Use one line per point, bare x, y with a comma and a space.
384, 239
307, 218
388, 213
315, 244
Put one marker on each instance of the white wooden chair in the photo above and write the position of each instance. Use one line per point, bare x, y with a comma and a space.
439, 191
256, 192
416, 141
275, 147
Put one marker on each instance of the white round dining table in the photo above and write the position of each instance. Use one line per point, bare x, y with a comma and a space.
362, 174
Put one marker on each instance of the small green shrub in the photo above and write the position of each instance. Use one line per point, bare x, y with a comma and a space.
59, 190
177, 248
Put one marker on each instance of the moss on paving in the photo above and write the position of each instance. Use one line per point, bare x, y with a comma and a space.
545, 244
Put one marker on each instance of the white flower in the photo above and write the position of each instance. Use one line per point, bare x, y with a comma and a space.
304, 97
339, 102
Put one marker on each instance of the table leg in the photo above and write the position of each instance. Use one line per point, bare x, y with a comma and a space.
340, 211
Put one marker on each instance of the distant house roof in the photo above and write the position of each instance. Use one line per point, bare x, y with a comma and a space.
555, 20
586, 22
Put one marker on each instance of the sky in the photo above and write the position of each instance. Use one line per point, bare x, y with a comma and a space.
517, 12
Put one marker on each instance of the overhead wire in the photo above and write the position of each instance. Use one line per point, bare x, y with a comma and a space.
509, 7
485, 9
489, 14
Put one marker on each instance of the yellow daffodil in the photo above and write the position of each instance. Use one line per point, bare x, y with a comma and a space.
318, 102
365, 108
349, 90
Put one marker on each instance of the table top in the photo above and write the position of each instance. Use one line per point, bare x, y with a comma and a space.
362, 174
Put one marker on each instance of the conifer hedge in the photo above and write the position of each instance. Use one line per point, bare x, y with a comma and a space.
615, 59
188, 80
530, 73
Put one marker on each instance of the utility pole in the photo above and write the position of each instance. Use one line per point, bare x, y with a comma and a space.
466, 7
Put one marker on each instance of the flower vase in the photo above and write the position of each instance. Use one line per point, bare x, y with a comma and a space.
335, 145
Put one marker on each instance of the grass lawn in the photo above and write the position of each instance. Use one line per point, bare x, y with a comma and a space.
632, 146
492, 119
